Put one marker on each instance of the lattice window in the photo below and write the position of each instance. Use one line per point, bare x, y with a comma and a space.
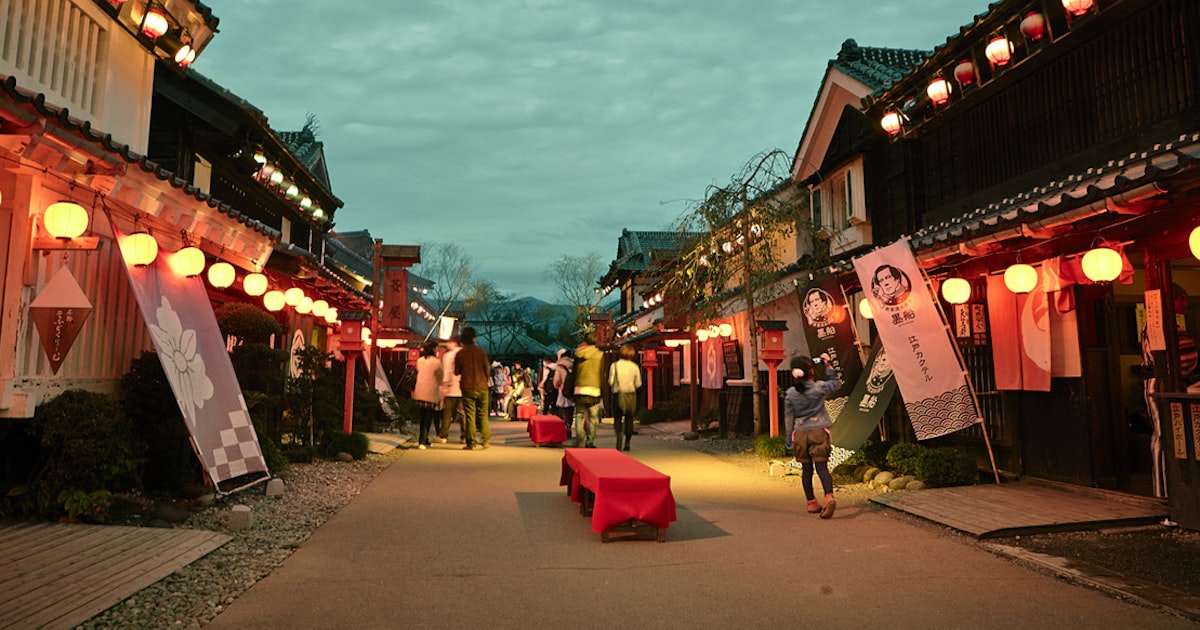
55, 47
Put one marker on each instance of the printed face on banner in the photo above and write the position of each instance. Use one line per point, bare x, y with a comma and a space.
818, 307
891, 286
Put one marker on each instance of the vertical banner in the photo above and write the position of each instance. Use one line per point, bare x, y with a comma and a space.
712, 376
925, 365
828, 329
58, 313
192, 352
870, 398
395, 297
1021, 341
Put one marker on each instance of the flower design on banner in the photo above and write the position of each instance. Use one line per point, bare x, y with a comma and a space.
181, 360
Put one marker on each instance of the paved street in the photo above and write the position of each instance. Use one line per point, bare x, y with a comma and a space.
447, 538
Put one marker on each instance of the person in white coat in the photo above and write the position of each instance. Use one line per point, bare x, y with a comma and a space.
451, 393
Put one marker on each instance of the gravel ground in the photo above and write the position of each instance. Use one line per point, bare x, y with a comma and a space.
194, 595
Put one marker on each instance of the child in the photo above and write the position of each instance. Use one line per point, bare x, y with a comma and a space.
805, 415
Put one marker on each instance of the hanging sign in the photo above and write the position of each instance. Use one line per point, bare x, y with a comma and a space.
58, 313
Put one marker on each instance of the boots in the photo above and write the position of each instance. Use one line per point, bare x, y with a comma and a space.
628, 439
619, 442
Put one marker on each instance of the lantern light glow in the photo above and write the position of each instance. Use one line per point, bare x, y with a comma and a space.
221, 275
139, 249
274, 301
1194, 242
999, 51
293, 296
956, 290
65, 220
154, 24
890, 123
1102, 264
938, 91
1020, 278
188, 262
864, 309
305, 306
1077, 7
254, 284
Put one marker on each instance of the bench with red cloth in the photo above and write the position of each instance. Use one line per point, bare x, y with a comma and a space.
545, 429
525, 412
617, 491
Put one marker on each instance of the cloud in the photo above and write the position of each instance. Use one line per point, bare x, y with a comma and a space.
526, 130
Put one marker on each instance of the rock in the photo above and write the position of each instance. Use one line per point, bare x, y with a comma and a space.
345, 457
897, 484
870, 474
883, 478
240, 517
275, 488
691, 435
915, 484
206, 500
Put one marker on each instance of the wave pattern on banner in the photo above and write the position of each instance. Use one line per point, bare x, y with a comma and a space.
942, 414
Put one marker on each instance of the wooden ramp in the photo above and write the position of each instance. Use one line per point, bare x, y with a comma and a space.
58, 575
1001, 511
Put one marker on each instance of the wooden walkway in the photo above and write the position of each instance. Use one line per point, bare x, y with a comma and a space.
1027, 507
57, 575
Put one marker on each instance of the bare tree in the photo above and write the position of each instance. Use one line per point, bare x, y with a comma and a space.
450, 270
578, 279
735, 236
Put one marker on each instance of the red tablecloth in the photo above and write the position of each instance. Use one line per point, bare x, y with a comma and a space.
545, 429
624, 488
525, 412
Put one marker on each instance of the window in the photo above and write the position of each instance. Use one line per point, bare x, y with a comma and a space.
816, 207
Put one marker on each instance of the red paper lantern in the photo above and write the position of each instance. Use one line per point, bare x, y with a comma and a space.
964, 73
1033, 26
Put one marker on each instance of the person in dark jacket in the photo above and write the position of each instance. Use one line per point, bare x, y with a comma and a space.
471, 363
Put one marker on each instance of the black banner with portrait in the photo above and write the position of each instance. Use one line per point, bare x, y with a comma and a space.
871, 396
828, 328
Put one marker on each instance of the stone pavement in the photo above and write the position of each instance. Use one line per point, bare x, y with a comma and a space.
455, 539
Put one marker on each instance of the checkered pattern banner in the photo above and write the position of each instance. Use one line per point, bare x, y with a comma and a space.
193, 355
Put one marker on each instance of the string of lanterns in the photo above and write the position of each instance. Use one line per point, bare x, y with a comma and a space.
67, 220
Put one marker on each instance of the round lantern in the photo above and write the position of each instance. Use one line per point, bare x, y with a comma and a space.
1194, 242
305, 305
938, 91
293, 296
188, 262
139, 249
1033, 26
1077, 7
956, 290
221, 275
154, 24
1020, 278
964, 72
331, 316
1102, 264
726, 330
319, 308
702, 335
999, 51
864, 309
890, 123
65, 220
254, 284
274, 301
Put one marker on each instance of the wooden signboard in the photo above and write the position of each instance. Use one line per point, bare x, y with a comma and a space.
731, 350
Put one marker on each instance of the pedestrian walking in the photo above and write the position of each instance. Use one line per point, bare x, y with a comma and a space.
564, 385
546, 384
427, 391
624, 379
808, 422
452, 408
588, 363
472, 365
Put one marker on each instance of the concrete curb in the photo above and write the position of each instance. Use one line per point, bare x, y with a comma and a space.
1145, 593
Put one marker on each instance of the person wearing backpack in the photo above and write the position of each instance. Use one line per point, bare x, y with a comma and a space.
589, 362
564, 375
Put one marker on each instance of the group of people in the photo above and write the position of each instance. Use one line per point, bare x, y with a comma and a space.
570, 385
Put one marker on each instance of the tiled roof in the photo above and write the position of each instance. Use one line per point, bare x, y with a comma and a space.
61, 117
634, 248
876, 68
305, 146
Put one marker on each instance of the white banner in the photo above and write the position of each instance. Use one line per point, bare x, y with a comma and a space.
926, 367
192, 352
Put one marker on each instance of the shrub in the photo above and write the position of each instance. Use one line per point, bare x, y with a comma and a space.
768, 447
356, 444
942, 467
171, 463
247, 322
902, 458
87, 444
873, 452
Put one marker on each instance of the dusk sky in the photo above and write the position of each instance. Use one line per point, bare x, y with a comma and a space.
525, 130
